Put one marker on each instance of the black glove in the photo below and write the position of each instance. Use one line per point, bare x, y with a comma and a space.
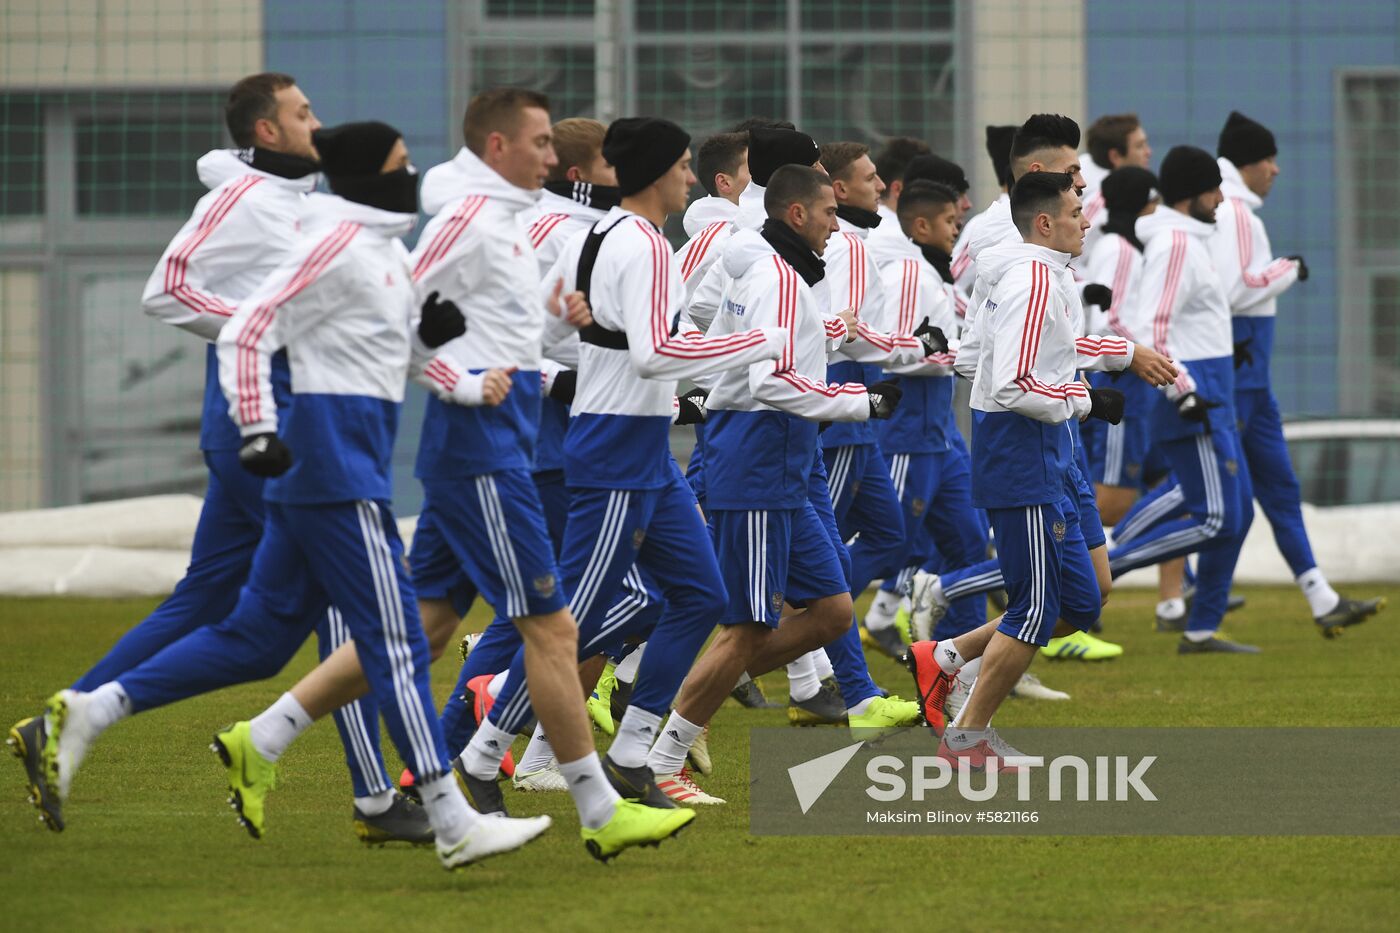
1106, 405
564, 386
884, 397
1302, 268
1194, 407
692, 407
1096, 294
265, 455
1242, 354
442, 321
934, 340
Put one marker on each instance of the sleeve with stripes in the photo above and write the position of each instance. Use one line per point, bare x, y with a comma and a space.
437, 372
275, 315
1240, 249
1165, 287
1024, 297
226, 234
650, 297
1103, 354
911, 296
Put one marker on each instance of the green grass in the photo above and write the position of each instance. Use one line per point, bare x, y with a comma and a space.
151, 845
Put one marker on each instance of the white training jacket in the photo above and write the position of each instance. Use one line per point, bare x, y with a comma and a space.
636, 288
1118, 264
913, 292
701, 269
239, 232
708, 210
559, 221
853, 281
989, 228
1253, 279
1031, 350
764, 294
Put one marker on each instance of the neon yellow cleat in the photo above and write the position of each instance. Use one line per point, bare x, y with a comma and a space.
634, 824
884, 715
600, 703
250, 775
902, 624
1081, 646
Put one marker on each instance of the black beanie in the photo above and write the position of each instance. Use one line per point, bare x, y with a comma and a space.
770, 150
1244, 141
939, 169
1187, 172
642, 149
999, 149
1127, 190
354, 148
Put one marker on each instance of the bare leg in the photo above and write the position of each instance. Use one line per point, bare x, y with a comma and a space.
1114, 502
1171, 576
552, 669
1005, 660
1099, 556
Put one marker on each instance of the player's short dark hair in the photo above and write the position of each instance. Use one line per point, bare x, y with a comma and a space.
497, 111
1037, 193
722, 152
894, 157
837, 158
793, 184
1043, 131
761, 123
252, 99
922, 196
1108, 133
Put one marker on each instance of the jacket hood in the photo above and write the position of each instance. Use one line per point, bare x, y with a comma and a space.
751, 211
328, 209
901, 247
708, 210
468, 175
221, 165
744, 249
1233, 187
551, 203
1165, 219
997, 228
1093, 173
994, 261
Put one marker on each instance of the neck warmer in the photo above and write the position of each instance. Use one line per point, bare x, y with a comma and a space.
858, 216
940, 260
281, 164
396, 191
794, 250
599, 197
1125, 226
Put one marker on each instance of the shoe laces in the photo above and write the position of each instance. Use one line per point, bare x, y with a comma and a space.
999, 745
1031, 680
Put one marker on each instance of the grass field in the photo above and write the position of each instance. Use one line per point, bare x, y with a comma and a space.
151, 845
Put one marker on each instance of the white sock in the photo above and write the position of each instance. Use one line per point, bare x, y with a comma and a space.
106, 706
823, 663
634, 737
594, 797
375, 804
882, 609
948, 657
539, 754
1322, 599
626, 671
968, 672
1173, 608
448, 811
860, 708
668, 754
803, 682
964, 738
1200, 635
278, 726
488, 746
497, 682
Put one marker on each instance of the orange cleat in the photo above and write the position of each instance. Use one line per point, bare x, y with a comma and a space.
481, 700
931, 683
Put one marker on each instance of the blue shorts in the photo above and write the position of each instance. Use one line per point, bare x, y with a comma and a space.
1087, 504
1118, 452
770, 556
487, 531
1046, 570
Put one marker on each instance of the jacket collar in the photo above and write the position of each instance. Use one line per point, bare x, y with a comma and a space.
326, 209
221, 165
1233, 187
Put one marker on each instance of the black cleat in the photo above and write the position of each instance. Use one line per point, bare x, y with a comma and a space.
1165, 624
484, 795
888, 641
1213, 645
26, 741
826, 708
621, 696
404, 821
637, 784
1348, 612
751, 695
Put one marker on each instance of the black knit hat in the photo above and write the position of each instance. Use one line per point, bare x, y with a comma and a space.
939, 169
769, 150
1243, 141
1127, 190
642, 149
999, 149
1187, 172
354, 148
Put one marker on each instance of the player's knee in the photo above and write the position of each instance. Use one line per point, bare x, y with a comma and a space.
831, 616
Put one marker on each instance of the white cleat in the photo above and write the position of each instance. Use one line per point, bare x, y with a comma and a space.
927, 610
490, 837
546, 779
683, 790
70, 735
1029, 687
699, 754
957, 698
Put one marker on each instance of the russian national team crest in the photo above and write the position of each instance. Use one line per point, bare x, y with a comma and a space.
545, 585
1232, 467
638, 537
1058, 529
778, 602
917, 507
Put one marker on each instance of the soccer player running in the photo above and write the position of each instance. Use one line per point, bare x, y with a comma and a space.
343, 304
1253, 280
722, 165
1114, 141
239, 232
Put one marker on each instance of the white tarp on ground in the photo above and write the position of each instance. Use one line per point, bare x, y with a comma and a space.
139, 547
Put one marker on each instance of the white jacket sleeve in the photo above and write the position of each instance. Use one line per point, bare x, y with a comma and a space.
966, 363
706, 296
1164, 290
1014, 330
1240, 249
911, 297
226, 234
1103, 354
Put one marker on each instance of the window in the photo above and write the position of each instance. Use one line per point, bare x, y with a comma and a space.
21, 155
141, 165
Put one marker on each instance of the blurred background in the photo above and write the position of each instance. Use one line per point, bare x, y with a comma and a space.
106, 104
